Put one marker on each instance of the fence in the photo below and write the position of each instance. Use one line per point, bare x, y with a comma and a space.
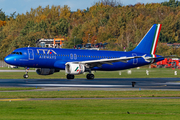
3, 64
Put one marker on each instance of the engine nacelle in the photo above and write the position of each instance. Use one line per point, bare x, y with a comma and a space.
45, 71
74, 69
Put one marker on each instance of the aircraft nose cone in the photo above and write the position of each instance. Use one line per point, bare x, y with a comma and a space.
8, 59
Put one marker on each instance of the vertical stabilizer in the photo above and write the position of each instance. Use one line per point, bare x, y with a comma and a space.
149, 42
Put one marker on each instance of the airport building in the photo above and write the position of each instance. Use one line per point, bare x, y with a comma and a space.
50, 43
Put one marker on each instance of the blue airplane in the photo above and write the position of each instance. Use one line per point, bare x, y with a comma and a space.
74, 61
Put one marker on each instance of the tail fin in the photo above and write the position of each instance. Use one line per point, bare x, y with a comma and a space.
149, 42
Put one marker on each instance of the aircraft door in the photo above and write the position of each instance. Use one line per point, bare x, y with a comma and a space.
30, 54
135, 61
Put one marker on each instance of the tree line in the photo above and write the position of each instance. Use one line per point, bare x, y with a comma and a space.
105, 21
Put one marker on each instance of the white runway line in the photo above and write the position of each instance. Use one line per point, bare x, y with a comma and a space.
73, 85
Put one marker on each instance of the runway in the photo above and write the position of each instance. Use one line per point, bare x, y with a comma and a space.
100, 83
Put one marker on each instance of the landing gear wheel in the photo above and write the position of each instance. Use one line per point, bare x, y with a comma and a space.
90, 76
70, 76
25, 76
26, 73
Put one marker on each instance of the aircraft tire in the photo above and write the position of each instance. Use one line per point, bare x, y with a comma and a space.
70, 76
25, 76
90, 76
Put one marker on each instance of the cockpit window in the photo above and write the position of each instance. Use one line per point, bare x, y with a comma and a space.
18, 53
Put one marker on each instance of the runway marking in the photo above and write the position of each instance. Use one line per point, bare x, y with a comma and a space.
74, 85
13, 100
169, 83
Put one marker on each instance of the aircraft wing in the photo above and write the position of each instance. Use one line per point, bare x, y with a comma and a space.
93, 63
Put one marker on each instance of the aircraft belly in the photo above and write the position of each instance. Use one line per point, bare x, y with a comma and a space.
45, 64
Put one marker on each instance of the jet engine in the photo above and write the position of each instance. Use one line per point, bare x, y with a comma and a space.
46, 71
74, 69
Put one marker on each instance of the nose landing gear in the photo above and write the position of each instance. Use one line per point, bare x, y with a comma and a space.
26, 73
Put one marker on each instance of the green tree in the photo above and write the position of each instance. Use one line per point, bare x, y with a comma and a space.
62, 27
2, 15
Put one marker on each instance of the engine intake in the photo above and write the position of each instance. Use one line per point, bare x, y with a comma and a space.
74, 69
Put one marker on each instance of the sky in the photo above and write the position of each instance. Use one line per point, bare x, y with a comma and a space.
23, 6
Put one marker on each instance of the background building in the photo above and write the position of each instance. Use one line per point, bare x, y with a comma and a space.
51, 43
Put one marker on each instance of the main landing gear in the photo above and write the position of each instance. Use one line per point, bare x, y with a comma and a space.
69, 76
90, 76
26, 73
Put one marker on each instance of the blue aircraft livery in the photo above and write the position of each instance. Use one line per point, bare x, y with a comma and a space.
75, 61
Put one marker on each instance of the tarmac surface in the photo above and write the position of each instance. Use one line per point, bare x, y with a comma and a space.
108, 84
96, 84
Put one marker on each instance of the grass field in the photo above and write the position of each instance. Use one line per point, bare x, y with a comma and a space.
135, 73
16, 88
162, 109
88, 94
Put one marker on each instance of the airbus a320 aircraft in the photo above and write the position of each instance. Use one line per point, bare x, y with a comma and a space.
74, 61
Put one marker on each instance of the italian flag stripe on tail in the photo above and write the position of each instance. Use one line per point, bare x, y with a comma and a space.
155, 41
